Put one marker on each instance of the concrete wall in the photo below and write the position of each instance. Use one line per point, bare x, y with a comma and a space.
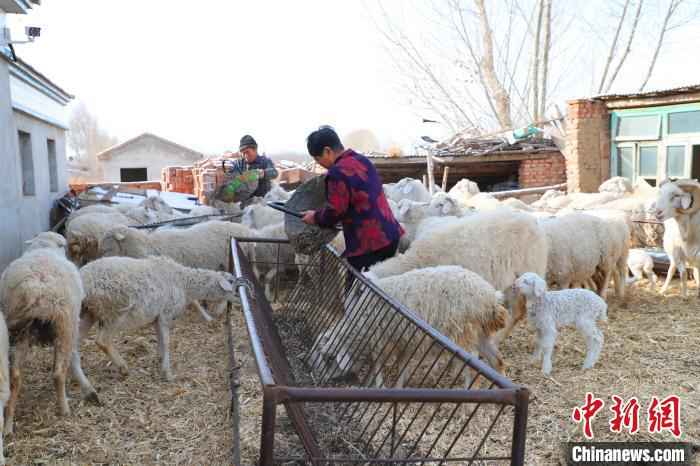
10, 188
542, 172
587, 145
34, 210
150, 153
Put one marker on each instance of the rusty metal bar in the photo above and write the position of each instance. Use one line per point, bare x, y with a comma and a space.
267, 434
517, 453
264, 371
503, 396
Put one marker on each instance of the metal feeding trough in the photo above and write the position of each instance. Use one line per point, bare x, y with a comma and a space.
306, 239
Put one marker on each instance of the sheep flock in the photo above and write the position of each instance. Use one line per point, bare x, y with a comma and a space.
503, 279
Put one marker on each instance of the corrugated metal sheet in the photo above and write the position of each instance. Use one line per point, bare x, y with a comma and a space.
651, 93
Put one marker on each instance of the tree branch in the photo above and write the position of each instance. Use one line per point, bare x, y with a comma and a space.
627, 48
672, 5
613, 46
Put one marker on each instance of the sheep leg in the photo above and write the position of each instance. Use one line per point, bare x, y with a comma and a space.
594, 343
200, 309
163, 333
64, 348
489, 351
89, 393
669, 276
603, 285
518, 313
696, 276
549, 336
684, 280
537, 354
104, 342
15, 383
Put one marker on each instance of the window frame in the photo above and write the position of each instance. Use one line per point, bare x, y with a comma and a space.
638, 156
681, 134
53, 167
637, 138
24, 157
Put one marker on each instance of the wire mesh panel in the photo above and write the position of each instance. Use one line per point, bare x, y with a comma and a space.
366, 381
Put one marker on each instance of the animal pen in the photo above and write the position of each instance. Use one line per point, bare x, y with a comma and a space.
452, 407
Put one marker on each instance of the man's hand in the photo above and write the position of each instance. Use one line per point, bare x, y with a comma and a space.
261, 173
309, 217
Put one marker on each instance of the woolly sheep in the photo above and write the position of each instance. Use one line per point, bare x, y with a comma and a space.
463, 191
412, 213
549, 196
548, 311
614, 251
408, 188
673, 246
484, 202
85, 233
277, 194
429, 225
126, 293
40, 296
517, 204
453, 300
617, 184
200, 210
641, 263
498, 245
91, 209
202, 246
258, 216
4, 379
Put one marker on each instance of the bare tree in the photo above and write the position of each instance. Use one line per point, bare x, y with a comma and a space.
613, 46
665, 27
535, 65
86, 139
545, 55
628, 47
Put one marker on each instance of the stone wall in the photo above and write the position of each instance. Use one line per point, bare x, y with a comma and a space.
587, 145
542, 172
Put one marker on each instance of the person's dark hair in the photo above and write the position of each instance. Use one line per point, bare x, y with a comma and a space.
325, 136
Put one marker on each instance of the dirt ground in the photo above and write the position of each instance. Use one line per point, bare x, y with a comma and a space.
650, 350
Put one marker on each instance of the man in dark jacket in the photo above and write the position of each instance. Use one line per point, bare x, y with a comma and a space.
355, 198
251, 160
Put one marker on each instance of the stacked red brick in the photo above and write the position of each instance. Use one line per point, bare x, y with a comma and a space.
542, 172
177, 179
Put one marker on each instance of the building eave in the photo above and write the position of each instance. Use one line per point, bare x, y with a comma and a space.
21, 7
23, 71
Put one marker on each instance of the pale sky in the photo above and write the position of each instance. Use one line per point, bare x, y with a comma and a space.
205, 73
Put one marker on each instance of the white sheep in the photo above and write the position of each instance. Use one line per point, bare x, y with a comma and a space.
85, 232
673, 246
200, 210
641, 263
680, 201
204, 246
4, 380
40, 296
407, 188
429, 225
277, 194
463, 191
617, 184
451, 299
498, 245
517, 204
258, 216
548, 311
411, 213
122, 293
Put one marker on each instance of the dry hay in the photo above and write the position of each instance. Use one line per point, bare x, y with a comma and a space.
650, 349
143, 420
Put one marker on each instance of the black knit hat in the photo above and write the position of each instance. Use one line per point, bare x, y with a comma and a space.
247, 141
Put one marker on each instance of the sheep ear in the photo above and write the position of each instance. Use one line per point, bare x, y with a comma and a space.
119, 236
404, 208
685, 201
225, 284
539, 288
446, 208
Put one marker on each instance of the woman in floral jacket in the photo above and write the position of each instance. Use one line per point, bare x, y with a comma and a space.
355, 198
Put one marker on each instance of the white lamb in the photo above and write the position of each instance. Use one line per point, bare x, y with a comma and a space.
40, 296
641, 263
453, 300
125, 293
548, 311
463, 191
277, 194
265, 256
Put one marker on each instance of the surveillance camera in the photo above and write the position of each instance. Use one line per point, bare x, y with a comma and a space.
33, 31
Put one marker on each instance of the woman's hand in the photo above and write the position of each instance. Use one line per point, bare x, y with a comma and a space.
309, 217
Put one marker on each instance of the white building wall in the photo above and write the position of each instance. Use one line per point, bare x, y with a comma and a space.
148, 153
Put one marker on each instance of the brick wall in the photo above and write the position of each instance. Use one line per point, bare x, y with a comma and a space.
587, 145
542, 172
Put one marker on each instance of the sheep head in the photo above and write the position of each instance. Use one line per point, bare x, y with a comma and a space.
675, 198
124, 241
530, 285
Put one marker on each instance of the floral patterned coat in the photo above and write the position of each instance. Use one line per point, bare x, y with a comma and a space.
356, 198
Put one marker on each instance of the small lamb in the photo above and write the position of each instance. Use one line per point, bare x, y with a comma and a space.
549, 310
641, 263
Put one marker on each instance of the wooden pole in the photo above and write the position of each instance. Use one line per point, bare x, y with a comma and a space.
445, 172
431, 172
425, 180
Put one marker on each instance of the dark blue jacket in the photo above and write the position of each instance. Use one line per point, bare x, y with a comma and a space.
261, 163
